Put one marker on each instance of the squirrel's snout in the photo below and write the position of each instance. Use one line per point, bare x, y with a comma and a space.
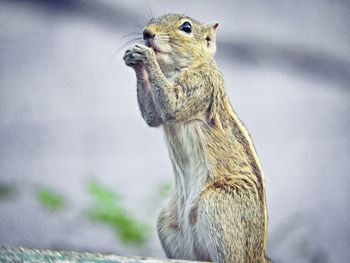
147, 34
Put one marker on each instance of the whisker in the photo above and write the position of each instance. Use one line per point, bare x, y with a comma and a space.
131, 34
149, 9
134, 40
131, 41
187, 8
145, 12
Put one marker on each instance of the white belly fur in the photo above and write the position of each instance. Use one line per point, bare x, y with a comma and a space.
185, 145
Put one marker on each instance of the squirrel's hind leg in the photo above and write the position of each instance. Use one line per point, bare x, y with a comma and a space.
227, 230
172, 235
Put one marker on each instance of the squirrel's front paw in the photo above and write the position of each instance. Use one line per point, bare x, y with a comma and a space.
138, 53
129, 59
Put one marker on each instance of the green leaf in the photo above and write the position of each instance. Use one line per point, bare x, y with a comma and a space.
108, 210
49, 199
102, 195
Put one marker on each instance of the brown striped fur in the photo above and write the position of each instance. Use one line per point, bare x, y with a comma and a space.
217, 210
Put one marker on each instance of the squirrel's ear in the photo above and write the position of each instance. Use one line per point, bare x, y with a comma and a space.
214, 25
211, 37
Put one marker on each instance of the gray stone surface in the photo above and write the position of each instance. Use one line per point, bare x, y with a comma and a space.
19, 255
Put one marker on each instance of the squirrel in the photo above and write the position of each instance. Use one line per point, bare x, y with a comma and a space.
217, 209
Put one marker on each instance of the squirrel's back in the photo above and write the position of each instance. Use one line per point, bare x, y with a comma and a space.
217, 210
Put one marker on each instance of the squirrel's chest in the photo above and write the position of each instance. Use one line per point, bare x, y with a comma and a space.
187, 152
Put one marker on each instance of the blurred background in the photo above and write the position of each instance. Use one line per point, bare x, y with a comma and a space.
79, 168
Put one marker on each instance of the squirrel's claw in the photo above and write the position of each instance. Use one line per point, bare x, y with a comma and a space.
138, 53
130, 59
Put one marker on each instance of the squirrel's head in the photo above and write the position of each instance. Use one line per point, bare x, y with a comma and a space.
180, 40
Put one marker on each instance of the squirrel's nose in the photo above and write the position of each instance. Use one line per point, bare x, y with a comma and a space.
148, 34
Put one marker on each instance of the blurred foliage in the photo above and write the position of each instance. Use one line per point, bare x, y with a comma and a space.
107, 209
49, 199
7, 191
164, 189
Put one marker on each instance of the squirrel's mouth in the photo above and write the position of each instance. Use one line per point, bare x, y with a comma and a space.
153, 46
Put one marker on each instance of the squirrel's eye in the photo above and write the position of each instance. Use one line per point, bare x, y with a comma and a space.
186, 27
